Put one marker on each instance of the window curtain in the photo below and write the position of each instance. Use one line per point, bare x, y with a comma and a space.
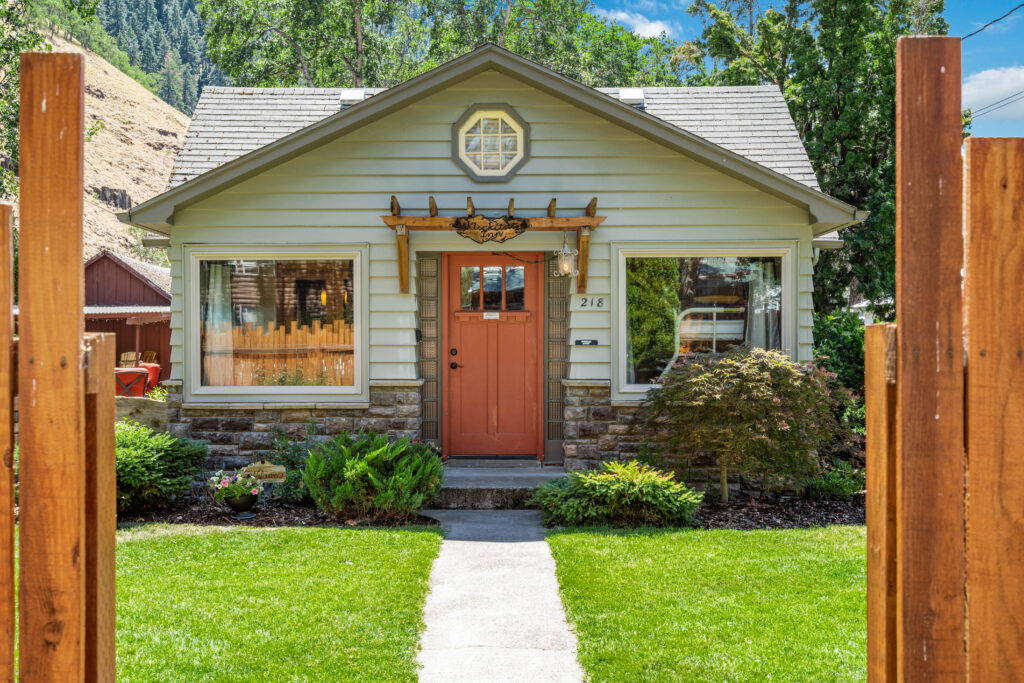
764, 304
216, 321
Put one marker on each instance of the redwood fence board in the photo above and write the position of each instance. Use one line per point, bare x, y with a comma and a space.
994, 289
930, 389
7, 623
880, 409
51, 590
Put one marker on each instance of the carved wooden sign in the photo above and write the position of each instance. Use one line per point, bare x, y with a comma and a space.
482, 229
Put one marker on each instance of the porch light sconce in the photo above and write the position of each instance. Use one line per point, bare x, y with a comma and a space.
566, 259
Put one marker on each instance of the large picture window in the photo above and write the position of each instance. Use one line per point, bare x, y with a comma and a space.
277, 322
681, 304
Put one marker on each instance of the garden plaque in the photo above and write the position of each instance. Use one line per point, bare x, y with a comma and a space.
267, 473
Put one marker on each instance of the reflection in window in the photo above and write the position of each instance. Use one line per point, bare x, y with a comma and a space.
492, 288
515, 287
283, 322
698, 304
502, 289
469, 286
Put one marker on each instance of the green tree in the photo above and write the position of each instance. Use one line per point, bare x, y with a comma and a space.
383, 42
171, 79
563, 35
835, 64
17, 36
652, 302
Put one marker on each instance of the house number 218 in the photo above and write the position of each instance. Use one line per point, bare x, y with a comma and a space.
592, 302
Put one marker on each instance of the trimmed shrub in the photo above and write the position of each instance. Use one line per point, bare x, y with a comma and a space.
839, 347
841, 481
370, 477
752, 409
621, 494
152, 467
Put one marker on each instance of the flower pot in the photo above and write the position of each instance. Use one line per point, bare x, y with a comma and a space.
242, 505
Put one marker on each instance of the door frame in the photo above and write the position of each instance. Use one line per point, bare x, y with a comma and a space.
445, 385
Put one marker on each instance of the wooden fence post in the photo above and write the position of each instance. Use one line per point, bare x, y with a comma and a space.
7, 624
930, 390
994, 290
880, 407
100, 508
50, 380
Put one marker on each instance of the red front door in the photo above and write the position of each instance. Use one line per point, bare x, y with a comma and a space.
492, 348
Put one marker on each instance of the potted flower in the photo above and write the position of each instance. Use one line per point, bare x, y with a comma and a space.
240, 490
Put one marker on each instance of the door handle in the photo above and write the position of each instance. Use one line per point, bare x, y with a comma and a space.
453, 365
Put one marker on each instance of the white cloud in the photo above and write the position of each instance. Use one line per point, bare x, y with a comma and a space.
985, 87
638, 23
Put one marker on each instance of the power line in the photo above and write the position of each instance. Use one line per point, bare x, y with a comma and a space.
981, 110
994, 21
1020, 96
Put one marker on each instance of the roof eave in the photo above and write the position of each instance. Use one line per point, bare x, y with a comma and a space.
825, 213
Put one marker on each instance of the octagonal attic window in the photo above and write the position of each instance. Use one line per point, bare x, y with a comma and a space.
490, 142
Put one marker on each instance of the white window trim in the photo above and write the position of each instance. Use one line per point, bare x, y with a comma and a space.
789, 296
276, 253
512, 123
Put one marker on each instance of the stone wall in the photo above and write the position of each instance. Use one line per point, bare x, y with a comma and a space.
146, 411
241, 433
597, 429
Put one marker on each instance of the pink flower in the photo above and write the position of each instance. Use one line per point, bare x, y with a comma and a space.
255, 492
224, 483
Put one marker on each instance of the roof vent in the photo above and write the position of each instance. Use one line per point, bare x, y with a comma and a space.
352, 95
633, 96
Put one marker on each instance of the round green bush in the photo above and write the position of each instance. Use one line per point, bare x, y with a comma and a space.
840, 481
152, 467
751, 409
620, 494
839, 347
370, 477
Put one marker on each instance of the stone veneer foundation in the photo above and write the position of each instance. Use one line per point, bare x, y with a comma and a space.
597, 429
242, 433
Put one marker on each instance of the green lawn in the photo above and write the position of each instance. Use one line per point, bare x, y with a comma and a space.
293, 604
716, 605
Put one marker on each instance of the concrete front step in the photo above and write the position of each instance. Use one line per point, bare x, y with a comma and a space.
491, 488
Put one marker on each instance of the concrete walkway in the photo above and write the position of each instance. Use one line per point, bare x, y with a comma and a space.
493, 612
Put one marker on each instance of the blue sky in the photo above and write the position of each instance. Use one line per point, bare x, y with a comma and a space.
993, 61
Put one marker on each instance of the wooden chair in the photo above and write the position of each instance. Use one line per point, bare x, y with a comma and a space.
149, 356
129, 359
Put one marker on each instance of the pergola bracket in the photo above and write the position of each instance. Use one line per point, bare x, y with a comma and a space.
583, 226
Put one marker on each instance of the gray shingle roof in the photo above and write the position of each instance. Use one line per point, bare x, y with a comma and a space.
753, 121
749, 120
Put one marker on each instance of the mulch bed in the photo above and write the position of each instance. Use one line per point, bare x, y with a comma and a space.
781, 512
268, 514
776, 512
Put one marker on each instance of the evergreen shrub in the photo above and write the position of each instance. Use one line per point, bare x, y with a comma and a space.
152, 467
370, 477
620, 494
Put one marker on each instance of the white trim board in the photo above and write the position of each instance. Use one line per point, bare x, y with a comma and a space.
788, 250
193, 390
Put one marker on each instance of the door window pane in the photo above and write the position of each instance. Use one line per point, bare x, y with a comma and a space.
678, 305
492, 288
515, 287
277, 322
470, 288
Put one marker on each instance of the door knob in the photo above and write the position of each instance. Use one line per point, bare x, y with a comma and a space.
453, 365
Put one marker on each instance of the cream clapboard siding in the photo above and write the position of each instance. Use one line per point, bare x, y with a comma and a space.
336, 193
